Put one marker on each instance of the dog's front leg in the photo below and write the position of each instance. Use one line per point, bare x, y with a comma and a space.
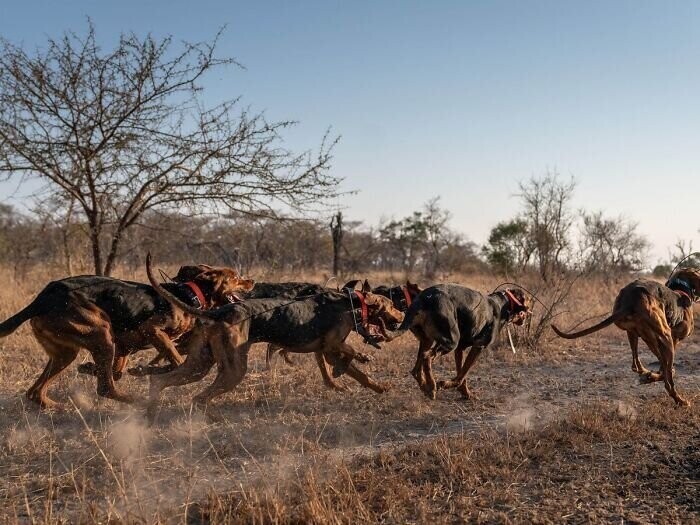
165, 347
325, 373
474, 353
349, 351
197, 365
430, 389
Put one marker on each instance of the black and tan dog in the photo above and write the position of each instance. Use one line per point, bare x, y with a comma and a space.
661, 315
111, 319
401, 296
317, 324
448, 318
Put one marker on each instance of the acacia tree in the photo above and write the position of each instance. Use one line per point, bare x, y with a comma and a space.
611, 244
119, 132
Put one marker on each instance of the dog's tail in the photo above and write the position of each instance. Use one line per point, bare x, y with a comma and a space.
575, 335
13, 323
201, 314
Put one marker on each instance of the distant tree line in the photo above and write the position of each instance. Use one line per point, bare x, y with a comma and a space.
546, 236
422, 243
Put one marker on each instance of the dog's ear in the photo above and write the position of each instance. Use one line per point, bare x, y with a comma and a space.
413, 287
351, 284
524, 299
366, 288
189, 273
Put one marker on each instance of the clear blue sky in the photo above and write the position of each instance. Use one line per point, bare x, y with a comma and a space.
456, 99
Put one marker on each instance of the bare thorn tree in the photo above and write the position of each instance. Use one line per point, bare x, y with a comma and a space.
611, 245
119, 132
547, 212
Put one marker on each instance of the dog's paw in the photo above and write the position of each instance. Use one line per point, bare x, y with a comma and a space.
137, 371
340, 367
87, 368
363, 358
383, 388
467, 394
430, 394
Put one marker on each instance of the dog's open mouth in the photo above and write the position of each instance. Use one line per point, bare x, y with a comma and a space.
233, 298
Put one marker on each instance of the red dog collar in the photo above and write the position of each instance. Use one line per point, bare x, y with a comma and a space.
363, 308
513, 300
406, 295
198, 292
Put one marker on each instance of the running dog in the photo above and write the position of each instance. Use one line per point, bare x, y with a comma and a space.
661, 315
448, 317
401, 295
111, 319
319, 324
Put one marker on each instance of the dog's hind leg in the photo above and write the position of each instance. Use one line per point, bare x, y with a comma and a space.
60, 356
637, 365
667, 351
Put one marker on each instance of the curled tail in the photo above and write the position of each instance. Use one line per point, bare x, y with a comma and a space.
605, 322
13, 323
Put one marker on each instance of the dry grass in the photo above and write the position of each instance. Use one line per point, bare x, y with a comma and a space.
560, 433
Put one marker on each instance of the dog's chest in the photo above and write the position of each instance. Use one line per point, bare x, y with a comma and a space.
484, 336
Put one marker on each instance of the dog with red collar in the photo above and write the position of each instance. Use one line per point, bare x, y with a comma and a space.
449, 317
660, 315
319, 324
112, 319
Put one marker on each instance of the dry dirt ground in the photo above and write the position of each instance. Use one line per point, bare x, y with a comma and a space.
562, 435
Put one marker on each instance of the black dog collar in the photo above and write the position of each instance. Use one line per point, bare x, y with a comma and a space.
683, 286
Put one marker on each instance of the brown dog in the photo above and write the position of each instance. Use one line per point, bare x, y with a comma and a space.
320, 323
662, 316
111, 319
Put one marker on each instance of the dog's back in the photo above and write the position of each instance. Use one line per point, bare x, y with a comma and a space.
448, 314
630, 298
285, 322
289, 290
